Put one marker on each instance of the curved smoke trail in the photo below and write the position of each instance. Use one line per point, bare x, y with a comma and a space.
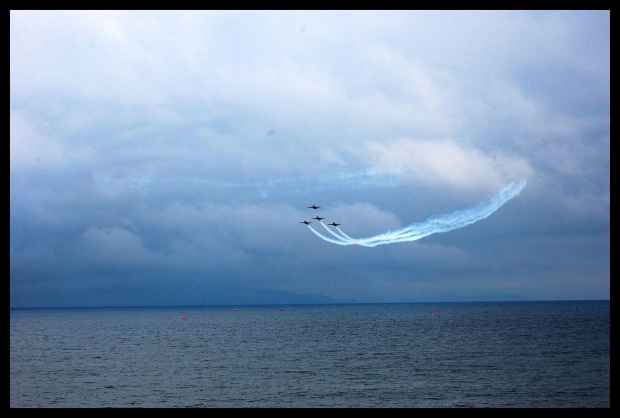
345, 235
327, 239
339, 237
441, 223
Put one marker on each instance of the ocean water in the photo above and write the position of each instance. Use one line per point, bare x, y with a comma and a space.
491, 354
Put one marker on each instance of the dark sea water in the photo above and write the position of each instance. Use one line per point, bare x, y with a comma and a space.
504, 354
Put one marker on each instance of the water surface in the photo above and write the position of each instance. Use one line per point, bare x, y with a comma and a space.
488, 354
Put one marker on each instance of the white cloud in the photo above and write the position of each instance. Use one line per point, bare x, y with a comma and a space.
33, 146
447, 162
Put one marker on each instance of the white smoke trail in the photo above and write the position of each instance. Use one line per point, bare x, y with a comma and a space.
333, 233
327, 239
441, 223
345, 235
295, 185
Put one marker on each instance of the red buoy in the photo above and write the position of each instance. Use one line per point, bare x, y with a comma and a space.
433, 314
181, 317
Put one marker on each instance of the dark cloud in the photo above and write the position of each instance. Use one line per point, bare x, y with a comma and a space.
171, 163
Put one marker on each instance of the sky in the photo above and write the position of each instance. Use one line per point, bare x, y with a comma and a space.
168, 157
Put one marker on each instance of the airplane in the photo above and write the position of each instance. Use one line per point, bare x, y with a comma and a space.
334, 224
318, 218
315, 207
305, 222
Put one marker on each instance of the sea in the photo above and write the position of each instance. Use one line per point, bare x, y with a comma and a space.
414, 355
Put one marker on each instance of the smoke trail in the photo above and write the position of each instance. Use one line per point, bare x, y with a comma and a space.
333, 233
327, 239
345, 235
295, 185
437, 224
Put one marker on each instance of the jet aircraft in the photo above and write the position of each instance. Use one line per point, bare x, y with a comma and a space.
334, 224
318, 218
315, 207
305, 222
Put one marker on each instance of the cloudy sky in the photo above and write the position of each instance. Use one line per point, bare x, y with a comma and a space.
167, 158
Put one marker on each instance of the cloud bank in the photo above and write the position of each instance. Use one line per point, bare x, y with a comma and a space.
160, 153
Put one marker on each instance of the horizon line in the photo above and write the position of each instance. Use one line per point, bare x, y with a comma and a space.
311, 304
